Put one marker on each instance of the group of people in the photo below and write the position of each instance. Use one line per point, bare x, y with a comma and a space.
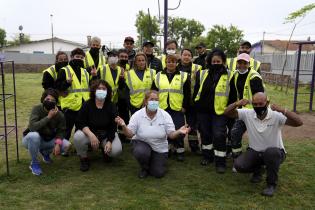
168, 98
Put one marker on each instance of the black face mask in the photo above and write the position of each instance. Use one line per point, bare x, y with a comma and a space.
260, 111
149, 56
49, 105
94, 51
59, 65
123, 62
217, 67
243, 51
77, 63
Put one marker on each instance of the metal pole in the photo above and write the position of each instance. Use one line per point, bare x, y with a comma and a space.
312, 86
263, 43
296, 86
15, 115
5, 121
52, 35
165, 23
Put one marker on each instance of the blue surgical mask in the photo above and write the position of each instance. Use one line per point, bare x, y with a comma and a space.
101, 94
153, 105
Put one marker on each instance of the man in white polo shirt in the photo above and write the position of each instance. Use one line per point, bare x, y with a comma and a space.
265, 147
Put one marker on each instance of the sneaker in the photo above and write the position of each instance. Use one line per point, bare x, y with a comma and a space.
35, 168
269, 190
180, 157
205, 162
234, 170
84, 164
256, 178
143, 174
220, 169
46, 158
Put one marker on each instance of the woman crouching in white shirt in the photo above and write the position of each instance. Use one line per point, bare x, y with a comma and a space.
149, 129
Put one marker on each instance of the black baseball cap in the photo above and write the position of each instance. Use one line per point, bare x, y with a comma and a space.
201, 45
112, 53
147, 42
244, 42
129, 39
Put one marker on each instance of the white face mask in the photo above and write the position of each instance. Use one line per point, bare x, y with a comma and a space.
242, 72
170, 52
112, 60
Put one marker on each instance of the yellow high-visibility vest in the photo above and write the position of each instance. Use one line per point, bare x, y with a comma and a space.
247, 92
173, 90
253, 64
88, 61
137, 87
77, 91
106, 74
52, 71
222, 90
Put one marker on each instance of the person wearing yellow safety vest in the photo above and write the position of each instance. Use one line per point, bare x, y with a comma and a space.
139, 80
112, 74
211, 94
73, 86
186, 65
153, 62
94, 58
245, 47
174, 93
171, 48
50, 74
244, 84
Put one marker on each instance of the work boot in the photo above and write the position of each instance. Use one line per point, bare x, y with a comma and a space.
84, 164
269, 190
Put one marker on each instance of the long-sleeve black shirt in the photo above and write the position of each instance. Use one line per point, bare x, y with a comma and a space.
48, 81
101, 122
205, 104
186, 89
201, 60
256, 85
155, 63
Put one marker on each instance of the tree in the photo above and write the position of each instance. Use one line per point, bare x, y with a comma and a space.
184, 30
2, 37
227, 39
147, 27
20, 39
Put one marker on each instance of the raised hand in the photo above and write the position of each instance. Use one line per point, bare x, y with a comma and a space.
242, 102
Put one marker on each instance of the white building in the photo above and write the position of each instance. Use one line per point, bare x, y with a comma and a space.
44, 46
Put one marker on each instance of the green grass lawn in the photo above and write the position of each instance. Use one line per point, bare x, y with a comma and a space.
115, 185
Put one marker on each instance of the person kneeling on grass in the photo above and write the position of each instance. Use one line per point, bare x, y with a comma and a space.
96, 125
149, 129
265, 141
45, 132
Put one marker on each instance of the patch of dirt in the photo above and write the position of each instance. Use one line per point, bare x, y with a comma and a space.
306, 131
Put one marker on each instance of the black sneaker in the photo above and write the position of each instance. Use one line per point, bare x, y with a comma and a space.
269, 190
143, 174
205, 162
256, 178
180, 157
220, 169
84, 164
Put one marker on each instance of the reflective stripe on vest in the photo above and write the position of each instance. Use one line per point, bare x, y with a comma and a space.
219, 153
106, 75
172, 90
247, 92
52, 71
138, 87
88, 60
77, 91
207, 147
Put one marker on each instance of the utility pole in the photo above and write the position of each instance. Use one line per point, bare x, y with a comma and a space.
263, 43
165, 23
52, 35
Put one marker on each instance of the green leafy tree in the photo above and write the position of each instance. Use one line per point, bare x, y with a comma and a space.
184, 30
226, 38
147, 27
20, 39
301, 13
2, 37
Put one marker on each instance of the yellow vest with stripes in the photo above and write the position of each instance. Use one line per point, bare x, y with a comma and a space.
88, 61
173, 90
137, 87
77, 91
247, 92
106, 74
163, 60
222, 90
52, 71
253, 64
